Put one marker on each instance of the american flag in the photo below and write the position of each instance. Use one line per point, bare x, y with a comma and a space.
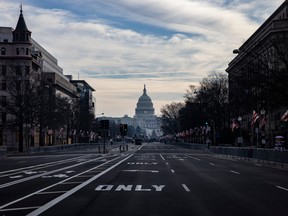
255, 116
285, 116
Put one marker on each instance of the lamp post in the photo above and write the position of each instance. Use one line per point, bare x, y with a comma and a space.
262, 125
240, 139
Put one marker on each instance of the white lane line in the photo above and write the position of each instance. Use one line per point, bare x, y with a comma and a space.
212, 164
162, 157
232, 171
58, 183
172, 171
152, 171
71, 183
53, 192
44, 174
282, 188
39, 166
198, 159
185, 187
258, 165
74, 190
19, 209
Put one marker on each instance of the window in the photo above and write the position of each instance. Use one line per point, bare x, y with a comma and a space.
4, 117
3, 51
18, 86
17, 51
27, 51
4, 70
4, 85
27, 70
18, 70
4, 101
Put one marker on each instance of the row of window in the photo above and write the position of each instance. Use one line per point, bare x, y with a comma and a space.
19, 51
18, 86
18, 70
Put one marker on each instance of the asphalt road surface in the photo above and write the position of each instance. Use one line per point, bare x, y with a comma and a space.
151, 179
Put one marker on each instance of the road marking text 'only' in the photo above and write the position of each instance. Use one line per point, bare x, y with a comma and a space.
156, 188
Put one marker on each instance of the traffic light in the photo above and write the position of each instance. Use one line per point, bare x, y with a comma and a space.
125, 128
121, 128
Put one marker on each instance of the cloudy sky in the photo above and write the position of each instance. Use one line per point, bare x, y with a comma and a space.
117, 46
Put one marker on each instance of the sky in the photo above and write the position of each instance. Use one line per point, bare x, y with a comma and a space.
117, 46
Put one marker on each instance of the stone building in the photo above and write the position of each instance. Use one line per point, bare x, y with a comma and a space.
145, 117
255, 77
25, 63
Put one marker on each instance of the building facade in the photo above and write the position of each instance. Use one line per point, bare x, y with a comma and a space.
33, 87
145, 117
255, 77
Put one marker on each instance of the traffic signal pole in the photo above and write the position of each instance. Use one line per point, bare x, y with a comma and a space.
104, 125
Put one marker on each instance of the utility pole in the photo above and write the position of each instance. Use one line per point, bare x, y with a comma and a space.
104, 125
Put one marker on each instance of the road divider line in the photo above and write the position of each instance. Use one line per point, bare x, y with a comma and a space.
162, 157
212, 164
53, 192
58, 183
19, 209
232, 171
74, 190
152, 171
185, 187
45, 173
282, 188
198, 159
172, 171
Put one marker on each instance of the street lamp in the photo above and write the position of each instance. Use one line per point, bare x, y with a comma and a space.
263, 140
240, 139
236, 51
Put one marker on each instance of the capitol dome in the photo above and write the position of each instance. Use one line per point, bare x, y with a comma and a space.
144, 106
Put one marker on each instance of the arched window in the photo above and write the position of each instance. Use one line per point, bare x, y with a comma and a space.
3, 51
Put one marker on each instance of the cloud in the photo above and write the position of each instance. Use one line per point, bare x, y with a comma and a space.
104, 42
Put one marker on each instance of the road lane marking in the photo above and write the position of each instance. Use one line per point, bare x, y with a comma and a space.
152, 171
44, 174
53, 192
162, 157
19, 209
129, 188
212, 164
39, 166
198, 159
74, 190
186, 188
258, 165
123, 187
142, 163
282, 188
66, 183
232, 171
172, 171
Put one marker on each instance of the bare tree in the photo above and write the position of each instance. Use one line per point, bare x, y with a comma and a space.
170, 118
21, 97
